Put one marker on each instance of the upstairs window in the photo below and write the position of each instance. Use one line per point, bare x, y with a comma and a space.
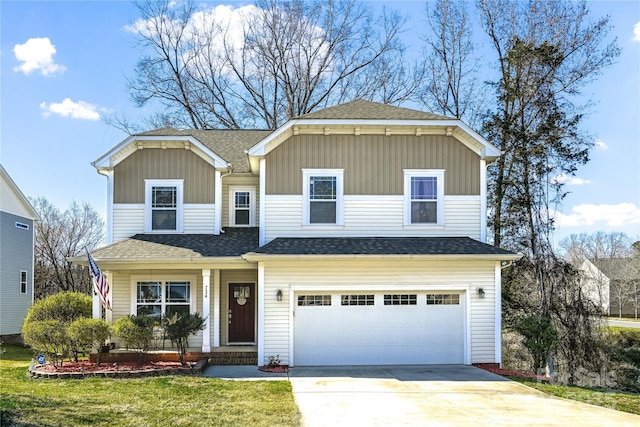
323, 191
424, 197
241, 207
163, 205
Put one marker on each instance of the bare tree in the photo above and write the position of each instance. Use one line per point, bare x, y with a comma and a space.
578, 247
260, 65
60, 235
451, 67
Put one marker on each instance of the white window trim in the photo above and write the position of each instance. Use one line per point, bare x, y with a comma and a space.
26, 281
308, 173
232, 204
428, 173
163, 281
149, 184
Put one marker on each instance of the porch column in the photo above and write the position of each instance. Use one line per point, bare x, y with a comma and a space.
206, 302
96, 307
260, 313
216, 308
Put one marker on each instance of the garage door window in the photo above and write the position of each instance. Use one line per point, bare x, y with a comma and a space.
357, 300
314, 300
400, 299
443, 299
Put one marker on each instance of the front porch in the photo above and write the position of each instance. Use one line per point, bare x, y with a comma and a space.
224, 355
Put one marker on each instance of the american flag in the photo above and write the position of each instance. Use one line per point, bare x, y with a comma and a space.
100, 282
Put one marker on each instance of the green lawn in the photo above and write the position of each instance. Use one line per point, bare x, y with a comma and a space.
171, 400
614, 399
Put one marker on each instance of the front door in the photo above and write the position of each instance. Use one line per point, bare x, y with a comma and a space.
242, 312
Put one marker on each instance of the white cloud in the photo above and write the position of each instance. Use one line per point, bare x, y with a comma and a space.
67, 108
636, 32
570, 180
600, 145
36, 54
590, 214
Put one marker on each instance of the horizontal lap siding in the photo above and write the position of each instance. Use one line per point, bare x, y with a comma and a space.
199, 220
239, 181
121, 290
363, 274
380, 216
128, 220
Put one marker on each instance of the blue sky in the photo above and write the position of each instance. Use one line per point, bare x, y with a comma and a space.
63, 70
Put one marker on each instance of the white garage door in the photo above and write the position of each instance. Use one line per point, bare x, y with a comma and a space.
381, 328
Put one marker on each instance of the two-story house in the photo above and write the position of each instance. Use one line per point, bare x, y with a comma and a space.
352, 235
17, 218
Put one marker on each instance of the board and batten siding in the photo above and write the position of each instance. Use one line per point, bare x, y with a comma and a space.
152, 163
239, 181
378, 275
373, 164
364, 215
128, 219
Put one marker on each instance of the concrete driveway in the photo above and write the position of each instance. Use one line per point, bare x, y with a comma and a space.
450, 395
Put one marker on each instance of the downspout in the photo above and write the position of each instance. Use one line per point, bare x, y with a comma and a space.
108, 173
217, 227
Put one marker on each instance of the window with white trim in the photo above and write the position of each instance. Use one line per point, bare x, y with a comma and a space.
323, 193
163, 205
156, 298
424, 197
23, 281
242, 211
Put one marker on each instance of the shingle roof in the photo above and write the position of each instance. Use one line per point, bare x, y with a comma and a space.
613, 268
232, 243
381, 246
368, 110
228, 144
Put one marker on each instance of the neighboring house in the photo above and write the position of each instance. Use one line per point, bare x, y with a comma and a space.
610, 283
353, 235
17, 218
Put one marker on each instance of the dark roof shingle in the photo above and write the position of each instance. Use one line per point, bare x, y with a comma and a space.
380, 246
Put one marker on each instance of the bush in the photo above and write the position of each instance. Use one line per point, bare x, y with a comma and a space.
136, 331
64, 306
45, 326
624, 351
90, 333
48, 337
540, 336
179, 327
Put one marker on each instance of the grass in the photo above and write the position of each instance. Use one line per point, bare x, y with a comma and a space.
171, 400
614, 399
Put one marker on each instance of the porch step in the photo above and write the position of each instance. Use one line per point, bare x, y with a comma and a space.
234, 358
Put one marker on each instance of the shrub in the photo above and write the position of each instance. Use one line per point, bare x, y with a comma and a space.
539, 336
45, 326
136, 331
48, 337
178, 328
90, 333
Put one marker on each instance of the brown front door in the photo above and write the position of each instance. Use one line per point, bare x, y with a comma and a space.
242, 312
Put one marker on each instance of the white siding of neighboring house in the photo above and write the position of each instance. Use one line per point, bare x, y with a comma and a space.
128, 220
381, 275
596, 286
380, 216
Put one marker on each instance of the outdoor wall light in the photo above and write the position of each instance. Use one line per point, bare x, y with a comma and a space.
480, 293
279, 295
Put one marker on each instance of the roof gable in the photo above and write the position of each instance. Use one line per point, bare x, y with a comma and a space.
12, 199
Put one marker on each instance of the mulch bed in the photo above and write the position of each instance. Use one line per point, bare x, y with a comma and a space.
512, 373
85, 369
278, 369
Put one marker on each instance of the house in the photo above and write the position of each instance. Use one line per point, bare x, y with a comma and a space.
354, 235
17, 218
612, 283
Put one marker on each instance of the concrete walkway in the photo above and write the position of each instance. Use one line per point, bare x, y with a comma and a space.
442, 395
